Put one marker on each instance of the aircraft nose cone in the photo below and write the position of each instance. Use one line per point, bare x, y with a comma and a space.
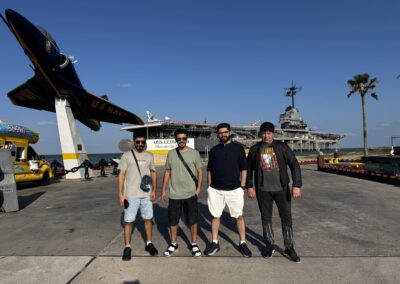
16, 20
11, 15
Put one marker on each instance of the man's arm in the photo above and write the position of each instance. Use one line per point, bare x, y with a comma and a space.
167, 175
153, 194
243, 175
199, 181
251, 193
121, 180
208, 178
296, 172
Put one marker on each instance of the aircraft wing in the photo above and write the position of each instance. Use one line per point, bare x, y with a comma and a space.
33, 94
103, 110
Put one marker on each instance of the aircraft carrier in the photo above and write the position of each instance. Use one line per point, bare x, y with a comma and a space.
293, 130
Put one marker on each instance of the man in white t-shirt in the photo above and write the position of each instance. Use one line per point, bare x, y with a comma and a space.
133, 166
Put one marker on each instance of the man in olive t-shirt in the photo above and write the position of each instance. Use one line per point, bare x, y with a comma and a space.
183, 191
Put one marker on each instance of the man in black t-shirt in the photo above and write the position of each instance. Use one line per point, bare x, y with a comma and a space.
226, 172
267, 162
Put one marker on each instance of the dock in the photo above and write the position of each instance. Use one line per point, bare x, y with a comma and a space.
346, 230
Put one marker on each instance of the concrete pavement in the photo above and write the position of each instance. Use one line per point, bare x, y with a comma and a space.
346, 231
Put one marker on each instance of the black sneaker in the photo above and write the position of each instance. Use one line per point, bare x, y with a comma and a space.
151, 249
212, 248
292, 255
245, 250
269, 251
126, 256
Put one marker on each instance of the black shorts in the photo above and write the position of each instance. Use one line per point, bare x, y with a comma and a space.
189, 208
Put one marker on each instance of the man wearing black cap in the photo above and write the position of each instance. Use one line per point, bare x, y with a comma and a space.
268, 161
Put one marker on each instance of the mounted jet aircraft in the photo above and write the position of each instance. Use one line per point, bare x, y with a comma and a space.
55, 78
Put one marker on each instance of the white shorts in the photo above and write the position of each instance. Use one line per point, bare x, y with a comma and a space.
217, 199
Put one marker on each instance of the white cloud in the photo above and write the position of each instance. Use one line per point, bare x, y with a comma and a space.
46, 123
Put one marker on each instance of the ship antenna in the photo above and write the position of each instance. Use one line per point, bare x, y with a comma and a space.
292, 91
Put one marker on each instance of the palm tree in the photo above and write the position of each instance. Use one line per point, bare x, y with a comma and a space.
363, 85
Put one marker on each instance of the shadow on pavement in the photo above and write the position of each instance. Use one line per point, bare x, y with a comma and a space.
25, 201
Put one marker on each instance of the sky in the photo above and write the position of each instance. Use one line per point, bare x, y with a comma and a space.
216, 60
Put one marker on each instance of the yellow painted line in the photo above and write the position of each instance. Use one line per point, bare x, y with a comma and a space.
159, 151
71, 156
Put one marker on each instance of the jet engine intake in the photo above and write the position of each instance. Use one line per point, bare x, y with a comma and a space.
63, 60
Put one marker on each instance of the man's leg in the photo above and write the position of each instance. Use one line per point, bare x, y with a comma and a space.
174, 213
129, 218
265, 202
235, 201
191, 213
241, 227
148, 227
215, 228
128, 228
193, 232
283, 203
174, 233
216, 204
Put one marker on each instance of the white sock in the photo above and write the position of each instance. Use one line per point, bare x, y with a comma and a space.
148, 242
128, 245
215, 241
194, 244
173, 243
242, 242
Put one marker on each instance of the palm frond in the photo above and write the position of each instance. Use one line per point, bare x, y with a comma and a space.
349, 94
372, 84
375, 96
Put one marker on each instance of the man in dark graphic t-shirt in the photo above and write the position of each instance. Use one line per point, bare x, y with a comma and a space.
267, 163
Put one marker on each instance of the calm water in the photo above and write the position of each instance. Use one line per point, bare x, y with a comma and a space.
95, 158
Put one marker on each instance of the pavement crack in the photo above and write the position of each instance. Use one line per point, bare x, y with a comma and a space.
79, 272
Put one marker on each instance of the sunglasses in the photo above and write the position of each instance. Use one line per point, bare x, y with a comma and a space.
181, 139
138, 142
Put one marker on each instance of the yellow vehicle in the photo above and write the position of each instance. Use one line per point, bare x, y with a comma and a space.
28, 165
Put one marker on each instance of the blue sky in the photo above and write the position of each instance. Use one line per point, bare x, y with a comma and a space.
225, 60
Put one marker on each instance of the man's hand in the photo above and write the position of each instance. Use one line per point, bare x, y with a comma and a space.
296, 192
153, 195
251, 193
121, 198
164, 196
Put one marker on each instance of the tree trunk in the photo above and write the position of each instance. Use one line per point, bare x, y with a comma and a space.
364, 125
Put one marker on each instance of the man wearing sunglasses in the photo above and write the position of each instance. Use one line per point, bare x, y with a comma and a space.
132, 197
184, 184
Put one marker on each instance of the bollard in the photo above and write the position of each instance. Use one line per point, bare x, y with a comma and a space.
320, 162
102, 164
86, 166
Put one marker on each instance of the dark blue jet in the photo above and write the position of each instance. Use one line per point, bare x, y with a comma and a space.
55, 77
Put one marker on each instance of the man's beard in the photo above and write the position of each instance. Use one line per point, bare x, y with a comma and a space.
224, 139
139, 147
